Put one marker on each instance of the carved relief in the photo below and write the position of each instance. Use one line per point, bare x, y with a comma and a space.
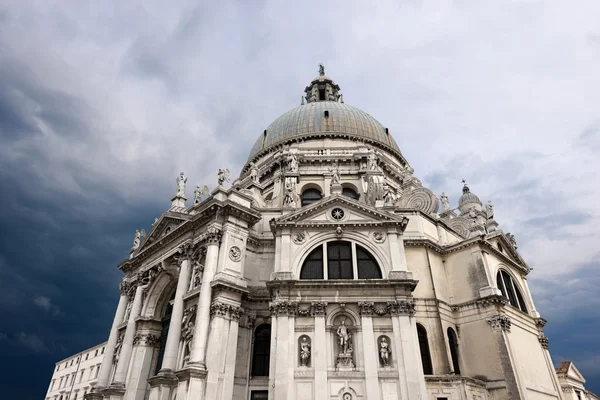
379, 237
299, 237
235, 254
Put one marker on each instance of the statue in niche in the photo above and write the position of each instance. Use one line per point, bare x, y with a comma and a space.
304, 352
292, 162
389, 196
137, 239
222, 176
181, 180
253, 172
345, 338
489, 209
291, 197
384, 352
372, 161
335, 174
198, 193
188, 331
117, 353
445, 202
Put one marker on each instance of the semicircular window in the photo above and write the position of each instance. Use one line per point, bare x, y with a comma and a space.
340, 260
348, 192
510, 290
309, 196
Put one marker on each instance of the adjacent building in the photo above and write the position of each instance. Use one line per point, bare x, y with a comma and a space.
75, 376
325, 271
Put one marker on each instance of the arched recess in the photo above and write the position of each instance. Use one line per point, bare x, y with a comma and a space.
359, 238
424, 349
506, 282
159, 295
348, 188
454, 353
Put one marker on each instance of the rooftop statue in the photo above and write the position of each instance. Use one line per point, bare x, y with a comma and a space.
321, 70
445, 202
181, 180
137, 239
489, 209
223, 175
198, 193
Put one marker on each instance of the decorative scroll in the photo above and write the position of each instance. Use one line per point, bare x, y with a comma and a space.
421, 199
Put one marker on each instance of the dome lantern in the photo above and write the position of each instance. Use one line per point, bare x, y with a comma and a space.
322, 88
468, 200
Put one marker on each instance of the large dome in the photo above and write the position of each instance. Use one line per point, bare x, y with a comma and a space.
322, 119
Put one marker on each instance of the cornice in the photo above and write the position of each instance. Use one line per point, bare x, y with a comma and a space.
376, 284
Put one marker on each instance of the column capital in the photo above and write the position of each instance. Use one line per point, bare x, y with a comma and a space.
146, 339
227, 311
500, 323
543, 339
212, 235
123, 288
318, 308
365, 308
283, 308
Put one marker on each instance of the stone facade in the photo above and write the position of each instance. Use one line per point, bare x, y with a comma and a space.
326, 271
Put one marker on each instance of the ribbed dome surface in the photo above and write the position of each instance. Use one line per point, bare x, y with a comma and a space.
309, 120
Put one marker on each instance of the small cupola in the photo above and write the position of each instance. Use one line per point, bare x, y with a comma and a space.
322, 88
468, 200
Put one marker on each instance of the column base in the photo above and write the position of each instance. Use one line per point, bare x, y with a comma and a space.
113, 392
162, 385
192, 383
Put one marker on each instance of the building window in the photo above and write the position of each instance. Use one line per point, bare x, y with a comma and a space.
340, 260
309, 196
86, 356
97, 370
350, 193
510, 290
424, 348
259, 395
102, 352
96, 354
453, 344
81, 376
261, 352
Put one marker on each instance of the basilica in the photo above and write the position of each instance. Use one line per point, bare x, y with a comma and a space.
326, 270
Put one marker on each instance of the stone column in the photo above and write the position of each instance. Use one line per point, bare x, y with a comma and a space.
412, 379
318, 310
127, 346
232, 340
280, 314
198, 353
397, 252
109, 352
169, 363
369, 349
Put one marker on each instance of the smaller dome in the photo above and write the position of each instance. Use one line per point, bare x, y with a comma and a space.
468, 200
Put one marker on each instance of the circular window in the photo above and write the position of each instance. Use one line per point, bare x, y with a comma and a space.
337, 213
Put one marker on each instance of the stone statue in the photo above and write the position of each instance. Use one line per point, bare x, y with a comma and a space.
292, 162
335, 171
187, 331
314, 93
321, 70
222, 176
198, 193
137, 239
290, 199
389, 196
445, 202
181, 180
253, 172
344, 338
372, 161
384, 352
117, 352
304, 352
511, 239
341, 98
489, 209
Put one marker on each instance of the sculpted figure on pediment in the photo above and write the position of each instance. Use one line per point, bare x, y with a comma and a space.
181, 180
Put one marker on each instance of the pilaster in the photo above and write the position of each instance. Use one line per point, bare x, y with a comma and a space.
370, 350
320, 347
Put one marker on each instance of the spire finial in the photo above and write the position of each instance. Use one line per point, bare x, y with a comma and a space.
321, 69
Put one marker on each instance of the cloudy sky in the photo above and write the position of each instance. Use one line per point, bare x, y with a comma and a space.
101, 106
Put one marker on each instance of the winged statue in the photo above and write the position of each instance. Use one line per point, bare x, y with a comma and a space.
198, 193
223, 175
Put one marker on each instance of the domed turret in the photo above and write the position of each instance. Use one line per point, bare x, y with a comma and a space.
468, 200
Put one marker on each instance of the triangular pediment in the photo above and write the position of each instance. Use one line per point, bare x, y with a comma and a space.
162, 227
510, 250
574, 374
326, 212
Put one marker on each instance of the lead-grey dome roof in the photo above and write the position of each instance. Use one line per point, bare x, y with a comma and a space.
310, 121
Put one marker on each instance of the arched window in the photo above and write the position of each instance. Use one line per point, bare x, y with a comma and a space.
348, 192
309, 196
340, 260
166, 321
261, 351
453, 344
313, 266
424, 347
510, 290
